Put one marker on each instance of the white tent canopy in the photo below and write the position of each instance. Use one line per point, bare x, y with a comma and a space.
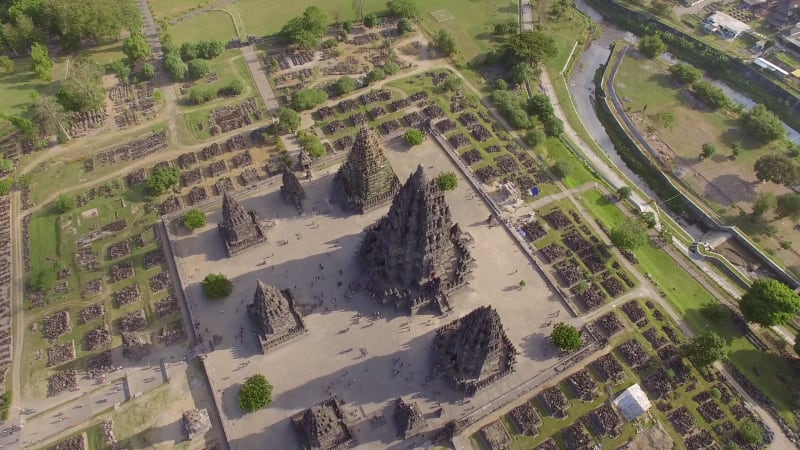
632, 402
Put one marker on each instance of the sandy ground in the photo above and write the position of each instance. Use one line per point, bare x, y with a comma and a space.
320, 245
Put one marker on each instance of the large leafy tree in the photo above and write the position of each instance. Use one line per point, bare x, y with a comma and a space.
404, 8
288, 119
136, 47
769, 302
566, 337
629, 235
685, 74
162, 179
762, 124
788, 205
447, 181
42, 64
445, 42
704, 349
194, 219
306, 31
531, 47
652, 46
763, 203
256, 393
344, 85
83, 90
49, 115
101, 20
216, 286
308, 98
779, 169
712, 96
414, 136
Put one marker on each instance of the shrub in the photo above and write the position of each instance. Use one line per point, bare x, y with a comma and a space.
198, 68
256, 393
216, 286
652, 46
345, 85
235, 87
66, 203
447, 181
414, 136
391, 68
162, 179
148, 72
194, 219
311, 144
370, 20
405, 26
308, 98
566, 337
375, 75
200, 94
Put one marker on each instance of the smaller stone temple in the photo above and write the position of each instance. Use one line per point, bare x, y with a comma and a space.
240, 229
474, 351
196, 423
415, 256
275, 317
291, 189
366, 180
322, 427
409, 418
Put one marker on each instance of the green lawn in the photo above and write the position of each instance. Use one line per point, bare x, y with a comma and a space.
556, 150
16, 88
53, 238
266, 18
211, 25
229, 66
105, 54
174, 8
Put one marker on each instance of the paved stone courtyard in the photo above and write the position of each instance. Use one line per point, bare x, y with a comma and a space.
318, 263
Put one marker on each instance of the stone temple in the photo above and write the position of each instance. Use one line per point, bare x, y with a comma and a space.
409, 418
274, 315
322, 427
474, 351
366, 180
415, 256
240, 229
291, 189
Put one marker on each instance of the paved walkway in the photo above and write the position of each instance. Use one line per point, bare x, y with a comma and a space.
260, 78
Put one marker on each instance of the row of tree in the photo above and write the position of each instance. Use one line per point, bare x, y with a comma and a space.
25, 22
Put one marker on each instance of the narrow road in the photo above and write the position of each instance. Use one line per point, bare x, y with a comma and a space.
260, 78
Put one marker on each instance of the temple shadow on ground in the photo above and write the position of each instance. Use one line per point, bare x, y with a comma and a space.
373, 373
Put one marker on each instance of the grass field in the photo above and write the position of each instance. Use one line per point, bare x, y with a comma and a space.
211, 25
173, 8
16, 88
688, 297
53, 238
229, 66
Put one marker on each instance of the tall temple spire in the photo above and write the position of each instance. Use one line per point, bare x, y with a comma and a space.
415, 255
274, 315
239, 229
474, 350
291, 189
366, 179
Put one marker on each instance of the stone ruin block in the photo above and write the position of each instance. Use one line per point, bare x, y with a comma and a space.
191, 177
153, 258
122, 271
128, 295
167, 306
171, 333
160, 282
187, 160
242, 159
198, 194
133, 321
224, 185
137, 177
100, 364
62, 381
136, 345
217, 168
56, 325
60, 354
93, 312
170, 205
119, 249
98, 337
